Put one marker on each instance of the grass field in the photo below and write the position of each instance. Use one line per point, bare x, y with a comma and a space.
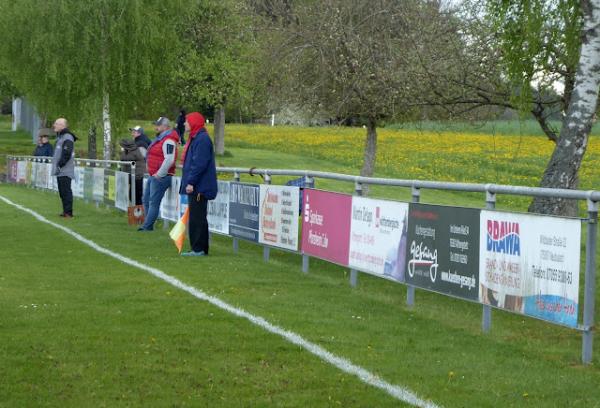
78, 328
103, 334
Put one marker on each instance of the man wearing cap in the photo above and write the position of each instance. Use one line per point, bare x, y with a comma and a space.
160, 162
141, 140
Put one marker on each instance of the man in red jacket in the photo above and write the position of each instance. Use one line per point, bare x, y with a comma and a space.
160, 162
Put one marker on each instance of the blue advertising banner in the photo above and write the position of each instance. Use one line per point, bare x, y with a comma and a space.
244, 211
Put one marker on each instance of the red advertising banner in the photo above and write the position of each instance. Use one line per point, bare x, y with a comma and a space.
326, 222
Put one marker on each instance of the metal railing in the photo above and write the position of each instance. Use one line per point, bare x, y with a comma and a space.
491, 191
87, 162
592, 198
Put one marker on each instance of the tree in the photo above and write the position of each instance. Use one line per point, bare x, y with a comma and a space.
88, 60
212, 60
563, 167
353, 58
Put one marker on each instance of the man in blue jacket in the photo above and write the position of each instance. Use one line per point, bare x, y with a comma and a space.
199, 181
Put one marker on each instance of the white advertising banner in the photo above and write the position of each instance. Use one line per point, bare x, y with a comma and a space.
279, 215
169, 206
121, 190
98, 189
77, 183
38, 175
378, 234
218, 210
529, 264
21, 171
51, 179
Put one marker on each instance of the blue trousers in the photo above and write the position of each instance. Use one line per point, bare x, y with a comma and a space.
153, 195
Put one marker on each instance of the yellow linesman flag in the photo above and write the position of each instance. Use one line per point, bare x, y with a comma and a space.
177, 234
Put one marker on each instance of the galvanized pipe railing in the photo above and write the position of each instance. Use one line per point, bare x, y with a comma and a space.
491, 190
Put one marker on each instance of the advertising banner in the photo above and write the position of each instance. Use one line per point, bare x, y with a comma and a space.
218, 210
378, 237
279, 215
88, 183
77, 183
12, 166
98, 184
35, 167
326, 225
21, 171
443, 249
28, 171
530, 264
169, 206
121, 190
244, 210
183, 203
109, 187
52, 181
41, 178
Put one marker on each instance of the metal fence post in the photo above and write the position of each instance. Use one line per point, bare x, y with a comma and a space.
132, 201
410, 289
236, 243
358, 190
589, 301
486, 318
309, 182
266, 249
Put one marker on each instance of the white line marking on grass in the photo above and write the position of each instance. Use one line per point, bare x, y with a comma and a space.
396, 391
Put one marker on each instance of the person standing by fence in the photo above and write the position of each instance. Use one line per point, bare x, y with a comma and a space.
43, 148
131, 153
140, 139
181, 126
199, 181
63, 164
160, 162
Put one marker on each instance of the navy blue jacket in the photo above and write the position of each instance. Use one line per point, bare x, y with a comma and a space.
43, 150
199, 167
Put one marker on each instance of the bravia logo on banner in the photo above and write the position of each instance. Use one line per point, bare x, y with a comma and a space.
503, 237
530, 264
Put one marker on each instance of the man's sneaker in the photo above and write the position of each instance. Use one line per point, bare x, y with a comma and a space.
193, 253
144, 229
65, 215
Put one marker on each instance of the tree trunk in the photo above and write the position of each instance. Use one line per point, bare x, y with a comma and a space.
370, 152
92, 151
563, 168
220, 131
107, 129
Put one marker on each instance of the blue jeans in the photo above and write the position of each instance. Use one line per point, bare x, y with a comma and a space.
153, 195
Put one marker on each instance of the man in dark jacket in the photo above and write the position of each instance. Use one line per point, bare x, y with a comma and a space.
180, 121
199, 181
141, 140
43, 148
63, 164
131, 153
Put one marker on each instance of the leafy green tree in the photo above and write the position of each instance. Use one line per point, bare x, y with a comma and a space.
544, 42
87, 60
213, 59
